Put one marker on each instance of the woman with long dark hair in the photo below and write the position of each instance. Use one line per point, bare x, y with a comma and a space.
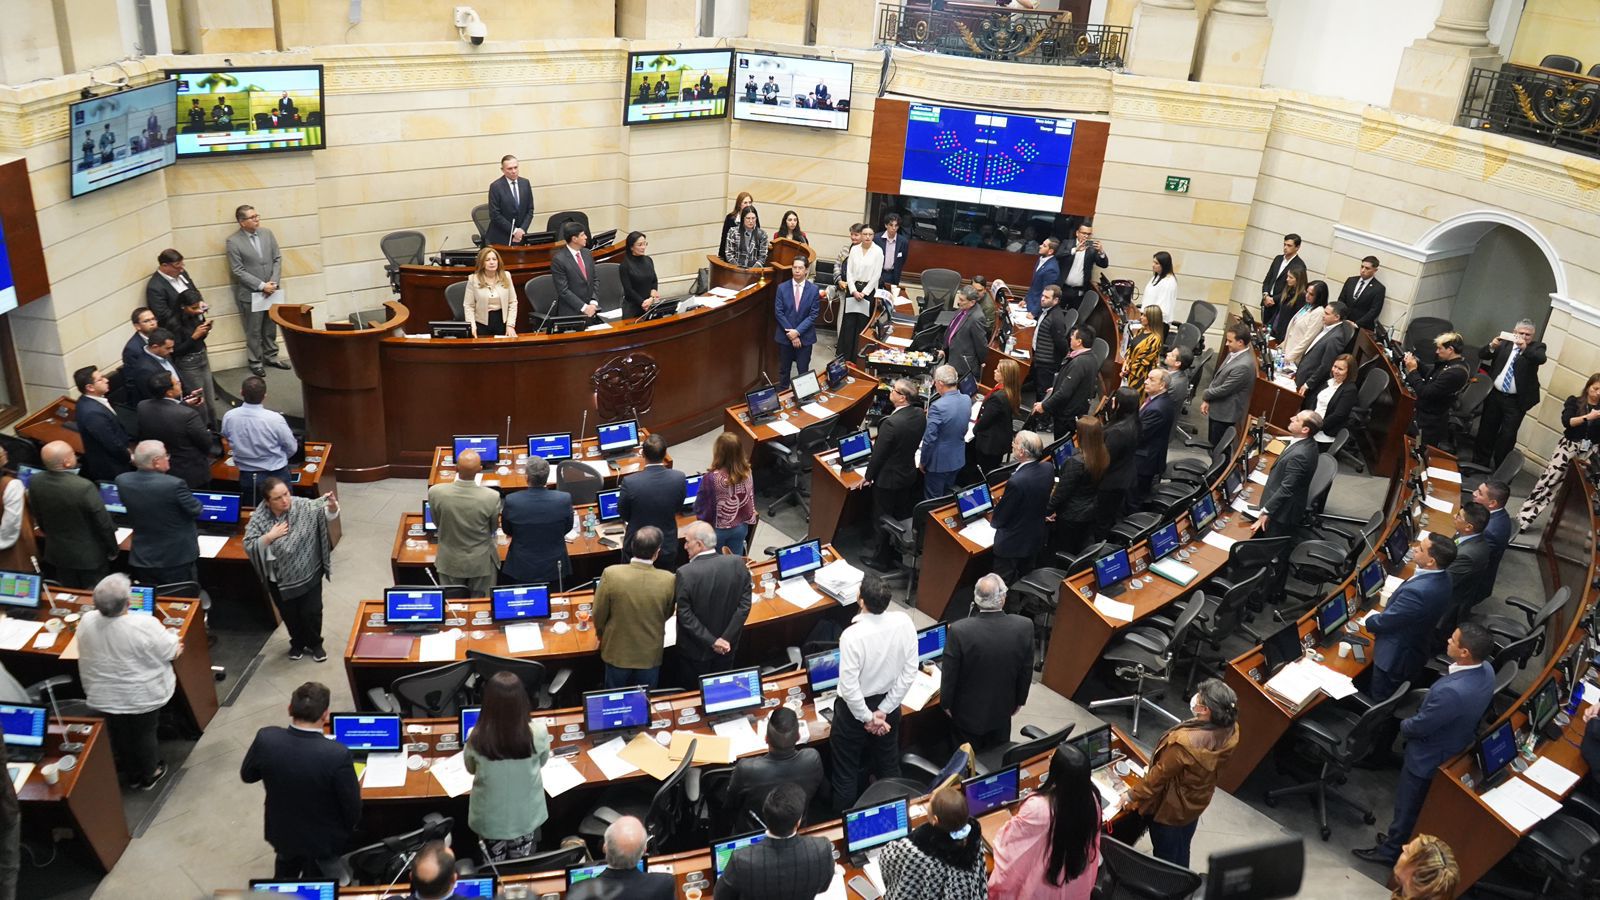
1306, 324
994, 428
1277, 311
506, 753
791, 228
731, 221
640, 287
745, 244
1162, 290
1050, 849
1072, 505
1182, 776
1122, 439
1580, 430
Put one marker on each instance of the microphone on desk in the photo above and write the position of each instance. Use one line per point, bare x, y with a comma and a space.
765, 378
438, 258
546, 317
583, 426
508, 432
49, 686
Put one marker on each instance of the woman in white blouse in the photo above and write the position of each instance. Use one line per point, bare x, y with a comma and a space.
1306, 323
863, 268
1162, 290
490, 303
1334, 399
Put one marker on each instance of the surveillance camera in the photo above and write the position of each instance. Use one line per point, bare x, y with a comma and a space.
477, 31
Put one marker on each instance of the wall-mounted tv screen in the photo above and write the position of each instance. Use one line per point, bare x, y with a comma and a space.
123, 135
792, 90
999, 159
677, 86
262, 110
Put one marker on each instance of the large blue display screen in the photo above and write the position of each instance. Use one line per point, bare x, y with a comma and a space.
972, 156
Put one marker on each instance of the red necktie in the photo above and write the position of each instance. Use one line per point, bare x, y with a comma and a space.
798, 291
581, 267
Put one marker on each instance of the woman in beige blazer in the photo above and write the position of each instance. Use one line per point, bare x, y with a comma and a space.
490, 304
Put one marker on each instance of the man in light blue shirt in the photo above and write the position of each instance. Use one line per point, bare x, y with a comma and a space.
259, 439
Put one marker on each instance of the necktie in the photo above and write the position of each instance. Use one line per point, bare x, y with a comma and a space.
254, 243
954, 325
1360, 285
514, 200
1509, 373
799, 291
577, 255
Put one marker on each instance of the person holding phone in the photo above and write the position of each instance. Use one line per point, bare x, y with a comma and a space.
1078, 263
288, 544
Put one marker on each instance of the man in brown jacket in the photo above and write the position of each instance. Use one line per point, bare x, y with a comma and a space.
1182, 776
631, 606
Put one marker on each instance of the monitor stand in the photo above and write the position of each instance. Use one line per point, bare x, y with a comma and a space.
627, 735
724, 718
417, 628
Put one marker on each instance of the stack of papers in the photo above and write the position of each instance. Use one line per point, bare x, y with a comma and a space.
894, 341
611, 313
1296, 683
1521, 804
799, 592
1219, 540
439, 647
524, 637
385, 770
212, 544
1113, 609
452, 775
708, 748
922, 689
1174, 571
559, 776
782, 426
1551, 775
840, 579
741, 735
980, 532
608, 762
16, 633
816, 410
647, 753
724, 293
123, 534
1444, 475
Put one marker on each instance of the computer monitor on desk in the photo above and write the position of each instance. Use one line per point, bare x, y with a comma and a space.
1095, 744
142, 600
25, 727
661, 309
19, 591
364, 733
112, 498
413, 610
219, 511
1496, 749
722, 851
1164, 540
798, 560
299, 890
837, 373
623, 709
855, 449
565, 324
1282, 647
1545, 704
443, 329
974, 502
1111, 571
551, 447
1331, 618
1397, 545
483, 886
618, 438
930, 642
805, 386
762, 404
577, 874
1371, 579
727, 693
989, 792
869, 827
466, 721
1203, 513
518, 602
691, 490
822, 671
609, 505
487, 446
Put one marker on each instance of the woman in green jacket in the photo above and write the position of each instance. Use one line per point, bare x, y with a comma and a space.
506, 753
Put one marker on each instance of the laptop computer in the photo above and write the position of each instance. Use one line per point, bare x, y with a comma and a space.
761, 404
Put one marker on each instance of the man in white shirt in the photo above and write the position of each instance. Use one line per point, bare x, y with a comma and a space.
125, 663
877, 663
1078, 265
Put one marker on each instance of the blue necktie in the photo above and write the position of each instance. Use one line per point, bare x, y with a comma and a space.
1505, 377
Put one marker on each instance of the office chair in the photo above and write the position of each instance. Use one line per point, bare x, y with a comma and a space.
1536, 620
1372, 386
574, 851
667, 810
794, 462
961, 762
1013, 752
1245, 558
1333, 448
577, 479
1135, 875
1467, 408
540, 292
1101, 349
1146, 653
1221, 617
1420, 334
556, 220
1202, 315
1473, 474
608, 279
1036, 596
1317, 494
1206, 470
906, 537
1337, 739
437, 693
1133, 529
388, 859
43, 693
1561, 63
1188, 337
541, 687
402, 248
1087, 304
450, 591
716, 810
480, 221
1563, 851
455, 295
939, 288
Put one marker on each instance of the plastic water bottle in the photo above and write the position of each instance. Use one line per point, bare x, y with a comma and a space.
590, 524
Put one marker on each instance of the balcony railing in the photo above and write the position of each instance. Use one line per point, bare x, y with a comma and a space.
1559, 109
1042, 38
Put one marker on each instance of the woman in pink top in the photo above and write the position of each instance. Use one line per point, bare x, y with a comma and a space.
727, 496
1050, 850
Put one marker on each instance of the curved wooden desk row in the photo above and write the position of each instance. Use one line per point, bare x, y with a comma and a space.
850, 402
510, 472
1264, 718
1455, 811
422, 287
388, 400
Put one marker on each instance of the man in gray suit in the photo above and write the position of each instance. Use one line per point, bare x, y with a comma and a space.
82, 539
1288, 487
1226, 401
572, 268
161, 511
467, 514
257, 266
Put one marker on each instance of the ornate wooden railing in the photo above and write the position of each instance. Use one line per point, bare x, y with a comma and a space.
987, 32
1561, 109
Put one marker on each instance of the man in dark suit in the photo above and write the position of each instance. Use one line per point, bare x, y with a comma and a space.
894, 244
1470, 579
164, 292
536, 520
784, 865
1051, 338
1317, 362
1363, 294
1437, 389
1075, 384
1288, 488
313, 796
144, 321
1272, 283
713, 600
286, 107
1157, 416
755, 777
572, 267
796, 306
966, 342
510, 205
1077, 264
625, 842
81, 537
1019, 526
165, 417
1046, 271
155, 358
1493, 496
1443, 726
105, 441
822, 95
987, 667
161, 511
1226, 400
1404, 629
1513, 368
654, 495
892, 469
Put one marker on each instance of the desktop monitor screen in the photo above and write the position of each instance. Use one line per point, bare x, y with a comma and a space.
1396, 545
610, 505
805, 386
554, 447
762, 402
1234, 483
691, 489
1111, 569
1332, 615
676, 86
402, 605
119, 136
854, 448
930, 643
19, 589
1164, 540
837, 373
370, 733
792, 90
871, 826
724, 692
1202, 512
576, 874
722, 851
987, 792
995, 159
142, 599
516, 602
618, 436
478, 886
1546, 703
427, 517
1497, 749
264, 109
799, 559
300, 890
112, 498
1096, 745
974, 502
24, 725
1371, 578
218, 507
468, 720
1282, 646
487, 446
616, 710
822, 670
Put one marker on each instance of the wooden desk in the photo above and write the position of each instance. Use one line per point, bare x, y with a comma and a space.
514, 458
837, 499
228, 577
85, 800
948, 555
849, 402
54, 422
422, 287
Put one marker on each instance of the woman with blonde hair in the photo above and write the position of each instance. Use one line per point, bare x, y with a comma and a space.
727, 496
1146, 353
1426, 870
490, 302
993, 430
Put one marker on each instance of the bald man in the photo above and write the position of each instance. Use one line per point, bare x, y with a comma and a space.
467, 514
625, 844
433, 874
80, 539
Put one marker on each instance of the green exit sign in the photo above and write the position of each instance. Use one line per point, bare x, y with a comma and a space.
1178, 184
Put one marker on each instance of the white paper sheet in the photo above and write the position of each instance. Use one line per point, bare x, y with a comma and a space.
1531, 798
922, 689
817, 411
436, 647
1113, 609
725, 293
559, 776
1258, 476
1507, 807
799, 592
260, 302
524, 637
452, 775
1296, 682
980, 532
783, 426
45, 640
1219, 540
123, 534
1551, 775
603, 326
600, 466
1444, 475
16, 633
741, 735
669, 635
610, 764
611, 313
895, 341
21, 770
835, 890
874, 874
1443, 506
212, 544
385, 770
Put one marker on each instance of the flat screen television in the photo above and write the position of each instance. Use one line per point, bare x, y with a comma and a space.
677, 86
116, 137
791, 90
267, 109
975, 156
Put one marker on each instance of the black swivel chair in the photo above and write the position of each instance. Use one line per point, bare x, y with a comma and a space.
1337, 739
540, 292
1372, 386
480, 221
1420, 334
1473, 474
1536, 620
387, 860
402, 248
1011, 753
1202, 315
794, 462
1149, 653
577, 479
1036, 595
1188, 338
542, 688
455, 296
1133, 529
556, 220
572, 852
1087, 304
1563, 852
608, 277
1561, 63
1467, 407
1135, 876
1221, 617
667, 811
437, 693
939, 288
906, 537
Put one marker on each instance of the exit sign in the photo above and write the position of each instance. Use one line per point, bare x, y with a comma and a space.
1178, 184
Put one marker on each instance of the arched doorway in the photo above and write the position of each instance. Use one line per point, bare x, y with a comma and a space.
1484, 271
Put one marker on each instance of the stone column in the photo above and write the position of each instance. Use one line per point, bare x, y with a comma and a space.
30, 46
1163, 40
1233, 43
1434, 70
657, 19
783, 23
846, 23
229, 26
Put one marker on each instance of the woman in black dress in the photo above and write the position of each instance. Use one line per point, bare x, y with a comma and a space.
994, 429
1072, 505
639, 285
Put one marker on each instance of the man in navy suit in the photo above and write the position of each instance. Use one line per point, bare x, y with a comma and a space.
894, 244
654, 495
1157, 415
1493, 495
572, 269
1405, 627
1019, 526
105, 441
797, 305
161, 511
1288, 487
536, 520
510, 205
944, 438
625, 842
144, 321
1046, 271
1444, 726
